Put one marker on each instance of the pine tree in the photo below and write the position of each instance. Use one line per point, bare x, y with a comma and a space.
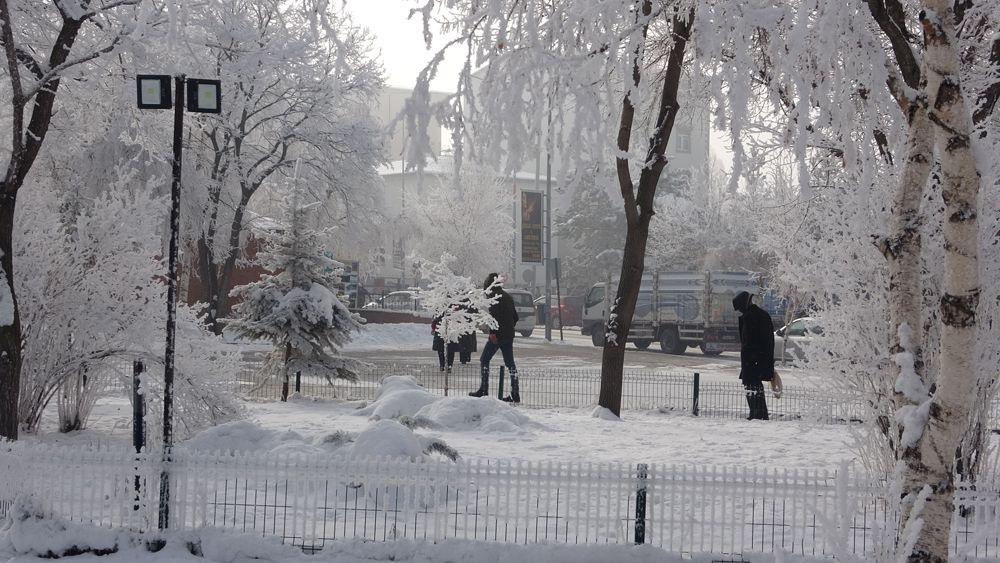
296, 307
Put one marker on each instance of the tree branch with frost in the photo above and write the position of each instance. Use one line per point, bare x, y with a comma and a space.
891, 19
458, 305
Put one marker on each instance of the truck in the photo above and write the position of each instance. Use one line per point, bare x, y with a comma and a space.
676, 310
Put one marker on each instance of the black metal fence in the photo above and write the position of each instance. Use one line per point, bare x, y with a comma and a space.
667, 391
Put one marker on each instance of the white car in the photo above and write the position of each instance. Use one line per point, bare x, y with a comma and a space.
407, 300
524, 304
792, 341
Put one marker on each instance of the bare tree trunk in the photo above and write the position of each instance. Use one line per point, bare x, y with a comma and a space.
639, 204
948, 409
10, 331
26, 142
284, 371
215, 276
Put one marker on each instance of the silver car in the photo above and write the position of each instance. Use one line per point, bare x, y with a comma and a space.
525, 306
792, 341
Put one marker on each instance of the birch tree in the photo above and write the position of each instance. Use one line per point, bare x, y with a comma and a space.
904, 90
934, 427
42, 43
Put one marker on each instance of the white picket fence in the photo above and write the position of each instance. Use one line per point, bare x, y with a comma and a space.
310, 500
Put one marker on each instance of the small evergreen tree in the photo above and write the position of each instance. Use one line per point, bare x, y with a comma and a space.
296, 307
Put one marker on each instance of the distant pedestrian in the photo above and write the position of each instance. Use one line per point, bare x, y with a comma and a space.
467, 341
502, 339
441, 347
756, 353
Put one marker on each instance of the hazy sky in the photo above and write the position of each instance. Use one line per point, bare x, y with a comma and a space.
403, 53
401, 42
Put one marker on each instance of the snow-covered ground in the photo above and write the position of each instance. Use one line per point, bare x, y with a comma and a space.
245, 548
475, 428
488, 428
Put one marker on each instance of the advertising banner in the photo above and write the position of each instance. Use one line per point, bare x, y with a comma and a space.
531, 227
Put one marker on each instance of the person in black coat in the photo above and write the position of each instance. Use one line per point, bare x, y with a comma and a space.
501, 338
442, 347
467, 341
756, 353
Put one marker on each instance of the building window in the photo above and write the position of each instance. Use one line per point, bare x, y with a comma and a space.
682, 140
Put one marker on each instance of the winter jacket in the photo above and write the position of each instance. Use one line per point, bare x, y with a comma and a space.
439, 344
505, 314
756, 341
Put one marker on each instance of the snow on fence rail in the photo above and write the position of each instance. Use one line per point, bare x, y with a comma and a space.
310, 500
675, 391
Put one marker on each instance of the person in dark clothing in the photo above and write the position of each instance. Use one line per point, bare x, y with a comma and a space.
467, 341
502, 339
756, 352
442, 347
466, 346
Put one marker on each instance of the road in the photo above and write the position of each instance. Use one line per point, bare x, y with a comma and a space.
576, 351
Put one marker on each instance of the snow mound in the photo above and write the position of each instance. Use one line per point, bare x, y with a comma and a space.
398, 396
604, 414
384, 438
31, 533
470, 413
394, 383
387, 438
246, 436
400, 336
401, 397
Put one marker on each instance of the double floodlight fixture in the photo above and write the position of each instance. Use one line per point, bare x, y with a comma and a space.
203, 95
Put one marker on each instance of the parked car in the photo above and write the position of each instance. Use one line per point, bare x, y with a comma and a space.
792, 341
569, 311
540, 310
407, 300
525, 307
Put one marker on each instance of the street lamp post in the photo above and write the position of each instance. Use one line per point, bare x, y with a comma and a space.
203, 96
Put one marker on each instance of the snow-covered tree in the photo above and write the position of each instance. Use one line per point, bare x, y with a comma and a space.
459, 302
579, 77
93, 301
296, 307
468, 217
702, 225
590, 225
43, 43
904, 159
298, 80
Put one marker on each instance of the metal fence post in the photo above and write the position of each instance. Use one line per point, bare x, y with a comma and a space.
138, 427
500, 387
138, 407
694, 400
642, 471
